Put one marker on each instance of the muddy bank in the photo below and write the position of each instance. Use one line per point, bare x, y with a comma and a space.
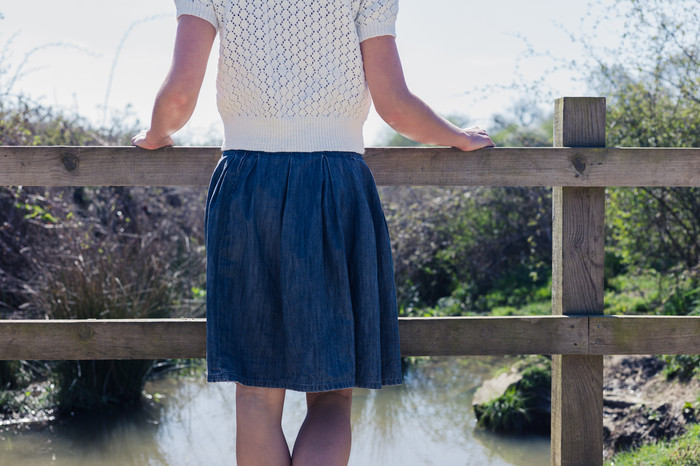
640, 406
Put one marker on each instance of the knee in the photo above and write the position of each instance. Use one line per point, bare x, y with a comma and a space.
338, 401
259, 397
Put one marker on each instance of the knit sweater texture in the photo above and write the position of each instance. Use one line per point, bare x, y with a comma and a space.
290, 74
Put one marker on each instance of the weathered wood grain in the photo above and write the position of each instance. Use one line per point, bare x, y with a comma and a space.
451, 336
456, 336
186, 338
577, 289
577, 392
644, 335
504, 166
102, 339
579, 122
578, 256
106, 166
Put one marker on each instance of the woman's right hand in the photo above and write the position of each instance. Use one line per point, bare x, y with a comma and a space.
474, 138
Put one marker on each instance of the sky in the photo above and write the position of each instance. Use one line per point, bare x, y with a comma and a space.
460, 56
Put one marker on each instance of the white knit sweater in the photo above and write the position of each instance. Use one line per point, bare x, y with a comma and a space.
290, 73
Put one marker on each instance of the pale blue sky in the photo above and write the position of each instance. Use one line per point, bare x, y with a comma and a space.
448, 48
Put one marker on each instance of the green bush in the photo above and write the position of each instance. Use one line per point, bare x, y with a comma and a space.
507, 413
525, 405
109, 280
467, 243
682, 367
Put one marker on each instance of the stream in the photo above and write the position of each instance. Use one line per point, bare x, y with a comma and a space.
426, 421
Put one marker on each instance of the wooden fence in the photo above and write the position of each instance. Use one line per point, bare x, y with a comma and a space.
577, 335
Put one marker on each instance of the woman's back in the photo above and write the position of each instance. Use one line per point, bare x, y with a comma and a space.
300, 288
290, 72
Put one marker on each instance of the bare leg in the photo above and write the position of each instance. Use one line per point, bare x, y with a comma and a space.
259, 436
325, 435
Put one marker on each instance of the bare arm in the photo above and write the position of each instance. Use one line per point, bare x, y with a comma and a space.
402, 110
177, 96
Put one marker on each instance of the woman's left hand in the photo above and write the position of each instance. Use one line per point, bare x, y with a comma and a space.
145, 140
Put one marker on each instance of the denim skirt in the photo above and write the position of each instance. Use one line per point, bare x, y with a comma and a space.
300, 283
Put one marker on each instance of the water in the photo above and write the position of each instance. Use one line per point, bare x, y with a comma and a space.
426, 421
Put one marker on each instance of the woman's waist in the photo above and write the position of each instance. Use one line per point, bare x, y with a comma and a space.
303, 134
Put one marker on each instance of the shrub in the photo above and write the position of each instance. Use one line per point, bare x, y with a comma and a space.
682, 367
467, 243
147, 278
524, 406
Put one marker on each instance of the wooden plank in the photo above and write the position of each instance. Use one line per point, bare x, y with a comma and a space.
645, 335
577, 386
106, 166
186, 338
102, 339
578, 256
504, 166
432, 336
452, 336
577, 289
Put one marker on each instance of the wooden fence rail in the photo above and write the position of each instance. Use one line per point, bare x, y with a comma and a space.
391, 166
577, 335
435, 336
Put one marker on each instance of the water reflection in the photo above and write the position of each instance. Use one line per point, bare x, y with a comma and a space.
429, 421
426, 421
88, 440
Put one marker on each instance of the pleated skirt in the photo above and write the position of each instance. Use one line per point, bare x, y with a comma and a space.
300, 284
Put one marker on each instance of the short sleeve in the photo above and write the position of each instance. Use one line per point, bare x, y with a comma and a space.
376, 18
200, 8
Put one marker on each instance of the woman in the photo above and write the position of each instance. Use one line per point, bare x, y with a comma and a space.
300, 291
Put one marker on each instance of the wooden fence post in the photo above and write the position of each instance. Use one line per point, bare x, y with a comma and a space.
577, 286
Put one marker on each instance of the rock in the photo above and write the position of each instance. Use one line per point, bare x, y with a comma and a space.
639, 404
493, 388
517, 401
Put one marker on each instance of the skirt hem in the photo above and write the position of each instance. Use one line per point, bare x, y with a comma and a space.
317, 387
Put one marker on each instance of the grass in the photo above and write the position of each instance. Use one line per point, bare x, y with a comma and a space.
520, 408
653, 293
629, 294
680, 451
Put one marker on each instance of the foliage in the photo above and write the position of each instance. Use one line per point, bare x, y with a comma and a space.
116, 268
651, 292
652, 82
30, 402
507, 413
520, 408
651, 79
655, 228
680, 451
94, 252
467, 250
17, 374
462, 243
525, 126
682, 367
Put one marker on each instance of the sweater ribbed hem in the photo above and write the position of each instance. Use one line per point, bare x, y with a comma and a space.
206, 12
293, 135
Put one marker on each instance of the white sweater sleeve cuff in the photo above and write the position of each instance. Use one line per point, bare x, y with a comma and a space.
199, 8
376, 30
